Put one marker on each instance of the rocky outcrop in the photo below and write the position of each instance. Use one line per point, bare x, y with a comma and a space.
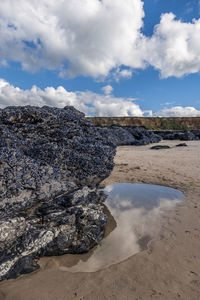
179, 135
51, 161
142, 136
136, 136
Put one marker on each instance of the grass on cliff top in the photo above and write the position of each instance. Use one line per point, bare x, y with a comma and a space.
167, 125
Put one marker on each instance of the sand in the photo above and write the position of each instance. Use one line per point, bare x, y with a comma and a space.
168, 269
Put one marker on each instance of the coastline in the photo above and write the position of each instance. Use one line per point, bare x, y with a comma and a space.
168, 269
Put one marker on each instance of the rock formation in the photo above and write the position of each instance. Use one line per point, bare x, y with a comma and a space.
51, 161
193, 135
128, 135
138, 136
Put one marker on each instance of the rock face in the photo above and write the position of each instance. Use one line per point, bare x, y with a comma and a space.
51, 161
152, 123
128, 135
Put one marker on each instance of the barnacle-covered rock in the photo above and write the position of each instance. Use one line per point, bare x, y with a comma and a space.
51, 161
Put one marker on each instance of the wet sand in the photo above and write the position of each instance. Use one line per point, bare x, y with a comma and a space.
168, 269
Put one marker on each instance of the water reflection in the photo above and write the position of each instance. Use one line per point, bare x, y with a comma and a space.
137, 211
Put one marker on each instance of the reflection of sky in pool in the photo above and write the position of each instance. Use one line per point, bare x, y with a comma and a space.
137, 210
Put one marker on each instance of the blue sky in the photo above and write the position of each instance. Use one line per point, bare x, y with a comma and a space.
152, 72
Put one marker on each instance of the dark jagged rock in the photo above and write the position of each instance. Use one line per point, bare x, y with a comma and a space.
118, 135
179, 135
130, 135
51, 161
143, 136
196, 133
182, 145
158, 147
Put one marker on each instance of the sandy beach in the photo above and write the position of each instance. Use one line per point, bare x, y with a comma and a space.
168, 269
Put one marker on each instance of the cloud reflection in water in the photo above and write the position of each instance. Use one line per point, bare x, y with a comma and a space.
137, 210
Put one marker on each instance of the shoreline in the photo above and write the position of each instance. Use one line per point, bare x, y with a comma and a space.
168, 269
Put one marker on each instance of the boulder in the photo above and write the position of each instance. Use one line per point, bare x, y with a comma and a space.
51, 162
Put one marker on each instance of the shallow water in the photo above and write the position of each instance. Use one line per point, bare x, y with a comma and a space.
137, 210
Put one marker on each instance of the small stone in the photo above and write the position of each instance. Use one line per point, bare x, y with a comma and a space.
158, 147
182, 145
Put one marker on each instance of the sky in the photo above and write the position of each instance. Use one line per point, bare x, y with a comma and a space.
104, 57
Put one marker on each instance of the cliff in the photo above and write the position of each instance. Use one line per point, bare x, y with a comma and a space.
151, 123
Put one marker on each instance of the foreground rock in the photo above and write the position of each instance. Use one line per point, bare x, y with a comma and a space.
50, 163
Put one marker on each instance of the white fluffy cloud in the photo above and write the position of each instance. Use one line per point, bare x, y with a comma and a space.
87, 102
92, 37
88, 37
122, 74
178, 111
174, 48
107, 89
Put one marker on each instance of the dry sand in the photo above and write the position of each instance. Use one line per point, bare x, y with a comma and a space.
169, 269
